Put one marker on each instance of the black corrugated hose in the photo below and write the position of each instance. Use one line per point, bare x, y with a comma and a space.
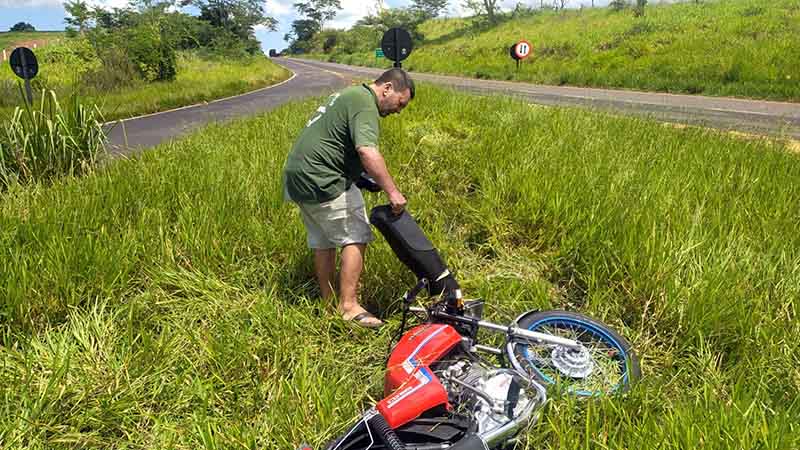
385, 433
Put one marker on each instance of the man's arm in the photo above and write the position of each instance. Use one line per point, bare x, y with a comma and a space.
373, 162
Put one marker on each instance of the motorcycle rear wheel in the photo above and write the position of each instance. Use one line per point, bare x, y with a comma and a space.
607, 365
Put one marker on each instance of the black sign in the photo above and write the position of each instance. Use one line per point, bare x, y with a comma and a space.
23, 63
396, 44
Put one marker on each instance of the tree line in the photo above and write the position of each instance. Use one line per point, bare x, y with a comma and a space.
145, 35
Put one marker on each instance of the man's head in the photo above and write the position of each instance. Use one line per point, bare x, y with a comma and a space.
394, 90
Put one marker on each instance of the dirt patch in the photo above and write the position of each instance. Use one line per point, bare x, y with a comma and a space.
792, 145
30, 44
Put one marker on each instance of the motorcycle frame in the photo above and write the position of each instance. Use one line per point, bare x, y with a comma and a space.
512, 331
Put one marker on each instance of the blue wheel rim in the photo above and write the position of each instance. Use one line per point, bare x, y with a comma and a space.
597, 332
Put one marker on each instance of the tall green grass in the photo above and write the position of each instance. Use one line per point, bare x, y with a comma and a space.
167, 301
742, 48
44, 141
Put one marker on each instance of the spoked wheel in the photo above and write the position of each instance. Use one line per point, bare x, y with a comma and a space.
605, 363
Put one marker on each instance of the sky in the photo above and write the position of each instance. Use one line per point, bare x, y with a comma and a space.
48, 15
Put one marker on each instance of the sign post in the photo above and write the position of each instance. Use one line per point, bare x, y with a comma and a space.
396, 45
520, 51
23, 63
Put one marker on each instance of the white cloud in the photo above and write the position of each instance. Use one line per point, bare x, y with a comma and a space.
278, 8
108, 3
29, 3
59, 3
351, 11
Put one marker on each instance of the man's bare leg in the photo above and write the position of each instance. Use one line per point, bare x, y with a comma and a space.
352, 264
325, 266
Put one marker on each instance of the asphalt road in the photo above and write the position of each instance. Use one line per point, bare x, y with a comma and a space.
780, 119
130, 135
314, 78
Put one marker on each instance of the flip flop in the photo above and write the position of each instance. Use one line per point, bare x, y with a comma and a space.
359, 319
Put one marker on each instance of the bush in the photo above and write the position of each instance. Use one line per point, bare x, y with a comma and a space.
116, 71
48, 142
77, 52
329, 42
227, 45
151, 51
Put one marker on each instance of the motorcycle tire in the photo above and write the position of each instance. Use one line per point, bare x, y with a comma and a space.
606, 365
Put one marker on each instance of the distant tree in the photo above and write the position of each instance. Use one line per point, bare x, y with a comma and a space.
407, 18
486, 8
617, 5
301, 34
237, 16
234, 18
319, 11
80, 16
114, 18
639, 10
22, 26
429, 8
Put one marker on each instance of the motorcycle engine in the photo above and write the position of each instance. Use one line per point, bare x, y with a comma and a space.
492, 397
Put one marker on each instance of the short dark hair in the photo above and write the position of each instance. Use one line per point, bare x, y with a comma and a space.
399, 78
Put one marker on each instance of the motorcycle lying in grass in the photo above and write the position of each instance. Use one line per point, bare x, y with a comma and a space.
445, 390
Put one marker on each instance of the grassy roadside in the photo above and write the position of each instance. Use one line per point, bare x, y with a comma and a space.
738, 48
197, 80
166, 301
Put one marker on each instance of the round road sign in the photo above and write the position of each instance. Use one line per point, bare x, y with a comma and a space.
396, 44
23, 63
521, 50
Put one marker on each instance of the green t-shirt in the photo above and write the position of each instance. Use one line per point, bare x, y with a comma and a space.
324, 162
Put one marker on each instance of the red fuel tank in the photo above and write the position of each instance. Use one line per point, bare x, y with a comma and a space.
410, 387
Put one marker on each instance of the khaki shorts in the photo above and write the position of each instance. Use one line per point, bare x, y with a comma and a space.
338, 222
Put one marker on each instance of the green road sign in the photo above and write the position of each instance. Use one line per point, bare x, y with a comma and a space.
378, 53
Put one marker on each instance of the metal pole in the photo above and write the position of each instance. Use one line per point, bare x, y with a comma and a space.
27, 79
396, 51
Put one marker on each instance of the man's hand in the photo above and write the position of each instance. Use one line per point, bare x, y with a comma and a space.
397, 201
375, 166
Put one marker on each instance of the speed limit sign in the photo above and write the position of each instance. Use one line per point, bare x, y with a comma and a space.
521, 50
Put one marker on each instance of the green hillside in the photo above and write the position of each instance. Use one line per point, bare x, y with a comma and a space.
743, 48
9, 39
